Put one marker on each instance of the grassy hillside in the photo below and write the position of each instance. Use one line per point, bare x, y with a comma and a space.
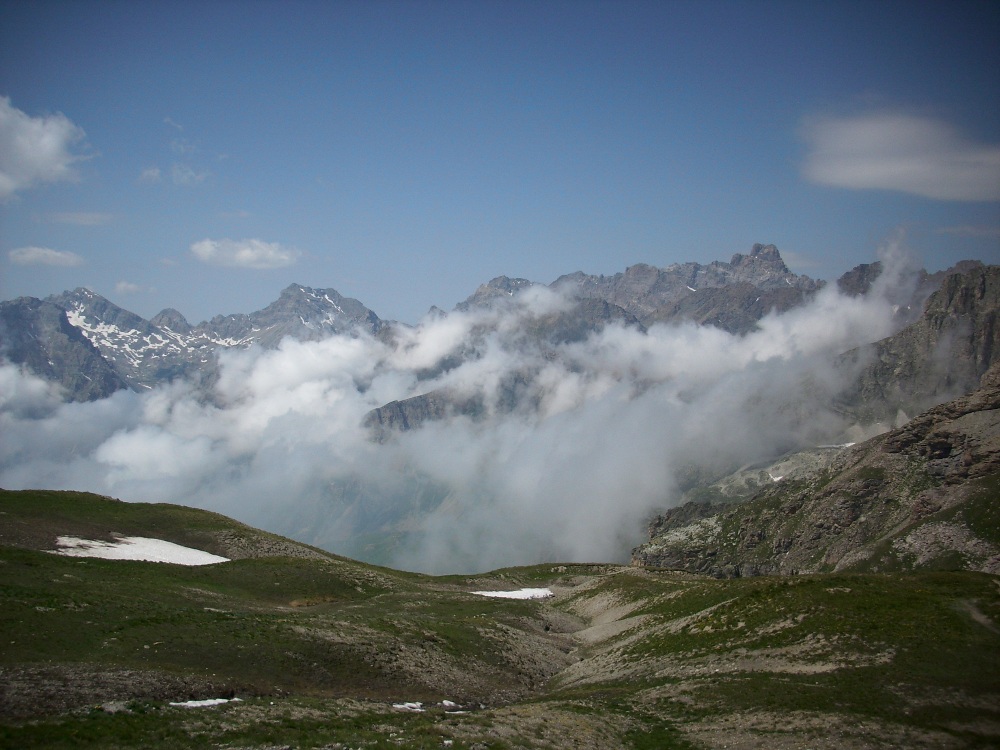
319, 649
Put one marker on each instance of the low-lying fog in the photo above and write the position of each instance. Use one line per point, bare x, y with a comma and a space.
607, 429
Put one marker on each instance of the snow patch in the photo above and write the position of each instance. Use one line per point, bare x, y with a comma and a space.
135, 548
206, 702
519, 594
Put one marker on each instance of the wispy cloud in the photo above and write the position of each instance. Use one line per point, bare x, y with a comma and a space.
150, 175
252, 253
44, 256
185, 174
82, 218
35, 150
182, 147
907, 153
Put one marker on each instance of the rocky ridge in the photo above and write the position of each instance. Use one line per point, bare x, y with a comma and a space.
718, 293
923, 496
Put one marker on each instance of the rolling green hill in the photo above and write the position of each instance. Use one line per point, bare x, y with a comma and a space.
322, 651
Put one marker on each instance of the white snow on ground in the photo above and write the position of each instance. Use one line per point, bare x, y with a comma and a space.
417, 707
519, 594
135, 548
206, 702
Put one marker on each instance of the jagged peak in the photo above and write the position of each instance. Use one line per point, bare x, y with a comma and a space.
760, 253
295, 290
506, 283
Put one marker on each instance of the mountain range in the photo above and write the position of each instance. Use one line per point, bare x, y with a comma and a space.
141, 354
92, 348
943, 337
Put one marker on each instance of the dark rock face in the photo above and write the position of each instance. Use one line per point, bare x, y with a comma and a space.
941, 355
736, 308
399, 416
858, 281
923, 496
38, 336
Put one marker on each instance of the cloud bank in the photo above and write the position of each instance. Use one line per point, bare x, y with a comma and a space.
911, 154
574, 446
255, 254
35, 150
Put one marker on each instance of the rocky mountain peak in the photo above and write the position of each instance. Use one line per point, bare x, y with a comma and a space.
732, 296
172, 319
763, 260
494, 291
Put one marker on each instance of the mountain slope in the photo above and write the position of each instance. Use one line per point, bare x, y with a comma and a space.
39, 336
319, 651
942, 354
924, 496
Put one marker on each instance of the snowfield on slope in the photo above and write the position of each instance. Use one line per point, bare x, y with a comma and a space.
519, 594
135, 548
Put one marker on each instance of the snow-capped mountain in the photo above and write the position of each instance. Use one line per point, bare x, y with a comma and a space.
145, 353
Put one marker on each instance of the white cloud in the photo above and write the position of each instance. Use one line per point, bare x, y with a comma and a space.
244, 253
35, 150
43, 256
185, 174
82, 218
911, 154
127, 287
150, 175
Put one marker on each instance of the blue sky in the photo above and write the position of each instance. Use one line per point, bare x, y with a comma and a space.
205, 155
